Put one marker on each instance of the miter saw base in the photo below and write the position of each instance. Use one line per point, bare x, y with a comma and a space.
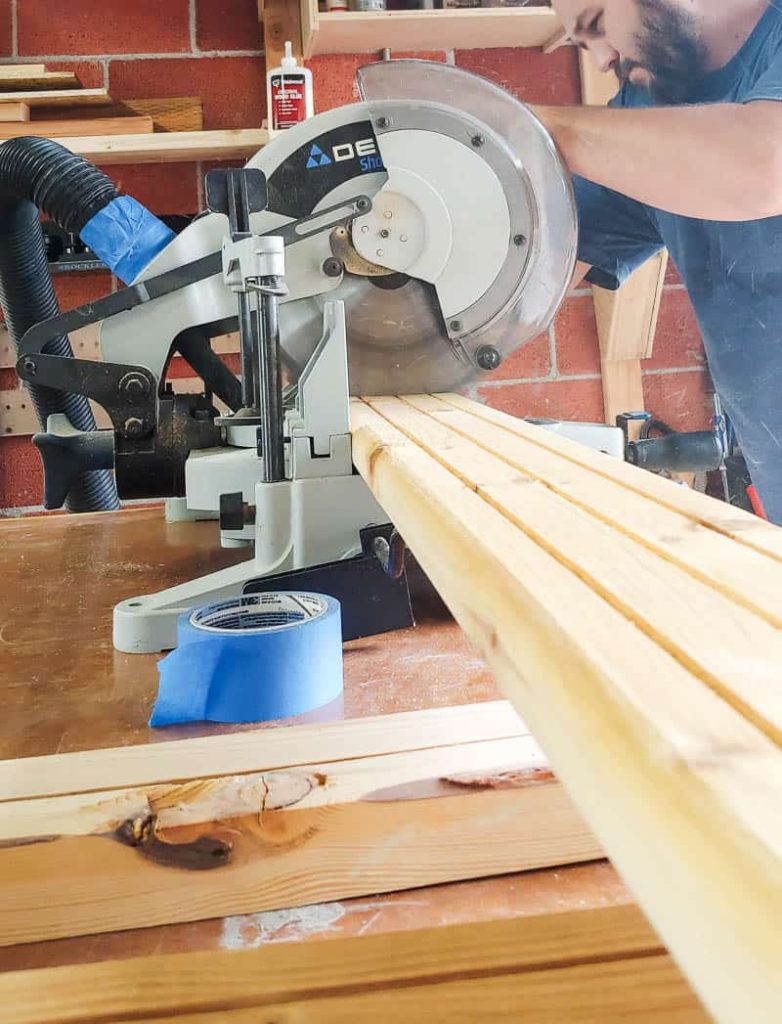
313, 517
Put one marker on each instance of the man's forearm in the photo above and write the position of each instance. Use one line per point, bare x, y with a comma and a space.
716, 162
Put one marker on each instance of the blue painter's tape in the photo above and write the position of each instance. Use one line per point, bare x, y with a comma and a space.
126, 237
252, 659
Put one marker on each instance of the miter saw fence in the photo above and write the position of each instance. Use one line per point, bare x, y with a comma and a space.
407, 243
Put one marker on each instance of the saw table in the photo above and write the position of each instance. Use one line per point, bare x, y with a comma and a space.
64, 688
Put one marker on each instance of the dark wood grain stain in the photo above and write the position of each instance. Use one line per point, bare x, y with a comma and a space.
202, 854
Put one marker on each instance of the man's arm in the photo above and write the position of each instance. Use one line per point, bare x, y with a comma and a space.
712, 162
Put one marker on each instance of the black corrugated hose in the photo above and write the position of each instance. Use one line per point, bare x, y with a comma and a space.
41, 175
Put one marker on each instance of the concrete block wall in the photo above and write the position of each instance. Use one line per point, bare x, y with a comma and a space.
214, 49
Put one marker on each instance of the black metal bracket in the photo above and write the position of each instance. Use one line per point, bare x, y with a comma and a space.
127, 393
372, 600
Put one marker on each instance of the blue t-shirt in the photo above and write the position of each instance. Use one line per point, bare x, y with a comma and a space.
732, 271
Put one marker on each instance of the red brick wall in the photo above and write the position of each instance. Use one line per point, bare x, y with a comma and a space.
213, 49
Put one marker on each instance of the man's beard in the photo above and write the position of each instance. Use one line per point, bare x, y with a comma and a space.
670, 51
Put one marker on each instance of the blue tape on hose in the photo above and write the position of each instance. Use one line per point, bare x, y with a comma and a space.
252, 659
126, 237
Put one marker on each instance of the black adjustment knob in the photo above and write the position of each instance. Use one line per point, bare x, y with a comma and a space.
67, 453
488, 358
232, 511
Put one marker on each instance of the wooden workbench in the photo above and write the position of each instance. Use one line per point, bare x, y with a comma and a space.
64, 688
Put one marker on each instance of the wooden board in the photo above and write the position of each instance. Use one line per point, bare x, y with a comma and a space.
281, 22
168, 147
71, 128
357, 32
175, 114
14, 112
178, 114
627, 318
587, 967
39, 81
56, 97
20, 71
89, 856
675, 764
238, 753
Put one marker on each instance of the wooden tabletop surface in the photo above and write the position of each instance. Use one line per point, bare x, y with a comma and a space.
65, 688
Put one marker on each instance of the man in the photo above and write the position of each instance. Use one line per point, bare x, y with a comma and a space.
689, 156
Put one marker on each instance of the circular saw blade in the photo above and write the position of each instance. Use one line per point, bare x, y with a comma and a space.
397, 342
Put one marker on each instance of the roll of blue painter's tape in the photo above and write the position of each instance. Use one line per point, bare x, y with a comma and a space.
252, 659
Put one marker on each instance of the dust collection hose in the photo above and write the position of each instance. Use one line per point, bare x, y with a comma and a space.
39, 175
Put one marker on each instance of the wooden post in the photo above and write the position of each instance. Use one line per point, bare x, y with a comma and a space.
281, 20
627, 318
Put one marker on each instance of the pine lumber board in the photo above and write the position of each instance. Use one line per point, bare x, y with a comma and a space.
636, 991
585, 962
165, 147
21, 70
627, 318
623, 389
400, 803
73, 128
287, 857
175, 114
206, 799
683, 790
56, 97
256, 750
14, 112
731, 648
39, 80
740, 526
169, 114
411, 30
281, 21
739, 572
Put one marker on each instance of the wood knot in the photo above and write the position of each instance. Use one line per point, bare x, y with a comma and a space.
201, 854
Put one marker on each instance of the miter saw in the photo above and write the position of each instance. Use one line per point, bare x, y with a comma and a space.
406, 243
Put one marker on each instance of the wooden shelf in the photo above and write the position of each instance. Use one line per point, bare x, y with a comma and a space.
484, 28
169, 147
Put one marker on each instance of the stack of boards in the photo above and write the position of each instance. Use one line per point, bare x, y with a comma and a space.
34, 101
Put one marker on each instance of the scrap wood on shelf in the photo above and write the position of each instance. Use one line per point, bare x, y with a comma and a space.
36, 101
636, 626
89, 122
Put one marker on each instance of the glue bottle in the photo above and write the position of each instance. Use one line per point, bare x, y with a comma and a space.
288, 93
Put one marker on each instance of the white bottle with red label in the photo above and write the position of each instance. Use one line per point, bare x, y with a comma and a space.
288, 93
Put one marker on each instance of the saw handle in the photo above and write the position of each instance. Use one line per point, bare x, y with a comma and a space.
66, 453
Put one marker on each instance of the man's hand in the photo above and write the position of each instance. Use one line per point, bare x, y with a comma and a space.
712, 162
